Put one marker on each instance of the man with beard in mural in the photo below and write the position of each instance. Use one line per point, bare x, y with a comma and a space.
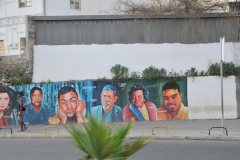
71, 108
36, 112
139, 108
108, 111
173, 108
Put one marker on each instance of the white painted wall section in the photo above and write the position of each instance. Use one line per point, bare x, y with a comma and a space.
88, 7
81, 62
204, 97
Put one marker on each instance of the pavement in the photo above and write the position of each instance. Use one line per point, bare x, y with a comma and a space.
169, 130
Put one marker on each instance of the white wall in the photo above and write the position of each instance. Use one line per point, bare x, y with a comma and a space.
88, 7
13, 23
10, 8
81, 62
204, 97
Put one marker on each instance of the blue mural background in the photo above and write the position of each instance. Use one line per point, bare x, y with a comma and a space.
85, 90
90, 92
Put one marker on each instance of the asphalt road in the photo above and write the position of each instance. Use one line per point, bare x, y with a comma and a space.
62, 149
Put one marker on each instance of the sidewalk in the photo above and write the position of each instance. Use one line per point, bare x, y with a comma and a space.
177, 130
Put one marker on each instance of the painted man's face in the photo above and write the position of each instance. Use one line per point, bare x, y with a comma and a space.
138, 98
172, 99
36, 98
108, 99
68, 103
4, 101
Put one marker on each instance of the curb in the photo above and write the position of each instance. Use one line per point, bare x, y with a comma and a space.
154, 137
225, 138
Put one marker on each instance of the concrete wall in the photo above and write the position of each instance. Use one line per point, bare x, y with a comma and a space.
204, 28
81, 62
204, 97
201, 96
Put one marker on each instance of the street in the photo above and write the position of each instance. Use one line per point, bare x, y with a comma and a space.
62, 149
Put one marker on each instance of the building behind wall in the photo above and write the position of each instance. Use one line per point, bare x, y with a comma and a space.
14, 29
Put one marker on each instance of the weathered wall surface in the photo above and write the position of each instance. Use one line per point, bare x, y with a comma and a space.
81, 62
106, 29
204, 97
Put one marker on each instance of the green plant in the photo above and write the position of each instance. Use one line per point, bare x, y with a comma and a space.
135, 75
100, 141
153, 73
228, 69
191, 72
119, 71
202, 73
214, 69
173, 76
162, 72
17, 76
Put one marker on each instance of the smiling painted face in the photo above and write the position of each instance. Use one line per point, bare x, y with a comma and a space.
68, 103
138, 98
4, 101
172, 99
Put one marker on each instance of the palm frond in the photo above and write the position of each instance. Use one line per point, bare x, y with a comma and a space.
99, 141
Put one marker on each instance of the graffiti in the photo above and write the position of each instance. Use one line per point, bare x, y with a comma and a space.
121, 84
73, 102
90, 88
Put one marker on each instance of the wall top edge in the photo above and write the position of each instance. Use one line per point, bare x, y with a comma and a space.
127, 17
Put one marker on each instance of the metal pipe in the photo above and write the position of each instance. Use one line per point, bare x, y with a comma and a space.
222, 40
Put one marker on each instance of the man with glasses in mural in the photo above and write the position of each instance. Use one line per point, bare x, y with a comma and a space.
36, 112
108, 111
139, 108
71, 109
173, 108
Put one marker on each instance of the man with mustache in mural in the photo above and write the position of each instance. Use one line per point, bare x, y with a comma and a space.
173, 108
139, 108
71, 108
36, 112
108, 111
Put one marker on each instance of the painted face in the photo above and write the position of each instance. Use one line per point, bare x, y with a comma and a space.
108, 99
172, 99
4, 101
138, 98
68, 103
36, 98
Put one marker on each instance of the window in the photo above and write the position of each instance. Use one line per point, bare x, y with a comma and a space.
25, 3
75, 4
22, 45
2, 49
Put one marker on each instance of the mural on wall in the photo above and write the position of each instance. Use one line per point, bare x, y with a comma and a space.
73, 102
8, 107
